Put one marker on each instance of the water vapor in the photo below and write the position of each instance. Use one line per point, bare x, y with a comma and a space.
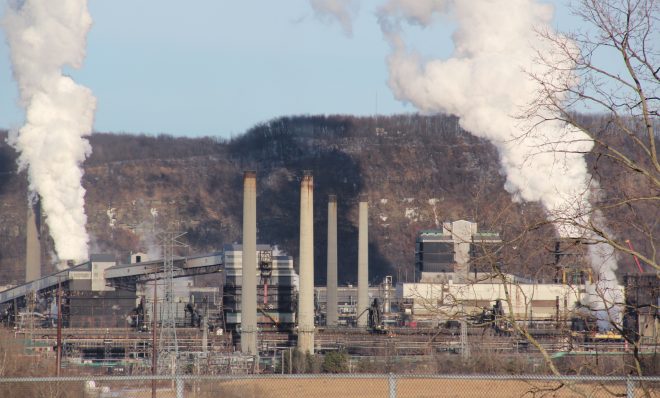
488, 82
604, 296
342, 11
44, 37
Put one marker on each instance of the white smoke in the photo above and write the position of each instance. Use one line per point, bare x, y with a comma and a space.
150, 241
487, 83
43, 37
343, 11
603, 295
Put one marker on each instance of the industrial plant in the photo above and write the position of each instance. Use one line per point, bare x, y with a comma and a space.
145, 315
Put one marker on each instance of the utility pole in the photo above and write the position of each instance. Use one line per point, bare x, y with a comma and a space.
465, 344
205, 328
154, 342
58, 360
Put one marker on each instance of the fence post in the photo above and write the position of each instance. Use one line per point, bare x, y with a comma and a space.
392, 384
630, 388
179, 387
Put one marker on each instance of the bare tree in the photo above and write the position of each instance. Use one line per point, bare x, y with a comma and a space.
616, 105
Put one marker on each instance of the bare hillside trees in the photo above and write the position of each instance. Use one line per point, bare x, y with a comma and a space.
611, 73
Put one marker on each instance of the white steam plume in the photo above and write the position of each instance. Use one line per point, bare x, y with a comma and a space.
343, 11
604, 295
487, 84
43, 37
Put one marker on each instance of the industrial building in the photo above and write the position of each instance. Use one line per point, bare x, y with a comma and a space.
642, 306
450, 253
100, 293
457, 280
436, 303
87, 300
277, 287
273, 307
347, 302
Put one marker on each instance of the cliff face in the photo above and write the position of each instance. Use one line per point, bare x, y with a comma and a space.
417, 171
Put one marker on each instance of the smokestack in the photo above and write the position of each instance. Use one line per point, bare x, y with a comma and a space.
33, 244
363, 262
249, 263
306, 294
331, 286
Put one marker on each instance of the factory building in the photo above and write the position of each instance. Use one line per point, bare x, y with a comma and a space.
456, 280
190, 304
436, 303
452, 252
570, 261
86, 299
100, 293
642, 313
277, 286
347, 302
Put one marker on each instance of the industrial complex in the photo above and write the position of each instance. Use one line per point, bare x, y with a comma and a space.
146, 314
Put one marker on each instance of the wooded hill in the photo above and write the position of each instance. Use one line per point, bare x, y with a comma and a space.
417, 171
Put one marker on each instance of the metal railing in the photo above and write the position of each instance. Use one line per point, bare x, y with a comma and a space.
330, 385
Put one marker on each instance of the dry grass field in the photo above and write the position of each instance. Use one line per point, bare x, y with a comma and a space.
329, 388
406, 388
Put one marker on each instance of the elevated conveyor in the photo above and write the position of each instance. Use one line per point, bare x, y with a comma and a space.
126, 276
102, 273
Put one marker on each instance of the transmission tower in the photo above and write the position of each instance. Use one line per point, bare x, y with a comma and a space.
168, 348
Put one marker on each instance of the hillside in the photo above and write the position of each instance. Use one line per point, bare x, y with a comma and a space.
417, 171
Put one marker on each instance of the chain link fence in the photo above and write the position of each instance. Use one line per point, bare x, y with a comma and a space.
332, 385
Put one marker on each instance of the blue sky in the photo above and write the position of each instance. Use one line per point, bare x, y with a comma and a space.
218, 67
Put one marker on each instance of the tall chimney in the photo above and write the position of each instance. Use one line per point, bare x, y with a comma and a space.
331, 286
249, 263
363, 262
33, 242
306, 294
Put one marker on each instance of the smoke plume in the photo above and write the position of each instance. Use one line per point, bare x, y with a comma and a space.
603, 296
343, 11
44, 37
487, 83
